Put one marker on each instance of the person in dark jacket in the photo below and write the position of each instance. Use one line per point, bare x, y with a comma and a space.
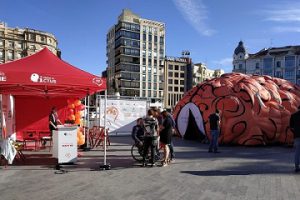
150, 139
295, 127
166, 136
137, 133
53, 122
214, 122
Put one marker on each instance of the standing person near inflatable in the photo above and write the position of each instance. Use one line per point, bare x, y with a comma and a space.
165, 136
150, 139
295, 127
171, 145
214, 121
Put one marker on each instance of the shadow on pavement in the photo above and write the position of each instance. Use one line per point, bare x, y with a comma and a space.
234, 172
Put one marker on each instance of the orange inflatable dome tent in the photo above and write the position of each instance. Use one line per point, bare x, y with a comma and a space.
254, 110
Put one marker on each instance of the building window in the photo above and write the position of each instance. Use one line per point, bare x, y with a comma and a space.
181, 82
43, 38
257, 65
10, 55
176, 82
150, 38
278, 64
181, 68
176, 67
170, 89
11, 44
181, 89
19, 45
181, 75
170, 74
18, 55
170, 81
290, 62
176, 89
176, 74
170, 67
278, 74
31, 37
240, 66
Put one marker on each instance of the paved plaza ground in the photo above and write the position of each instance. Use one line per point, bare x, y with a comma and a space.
235, 173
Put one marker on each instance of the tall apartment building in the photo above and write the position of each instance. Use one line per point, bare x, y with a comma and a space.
281, 62
135, 53
202, 73
178, 73
16, 43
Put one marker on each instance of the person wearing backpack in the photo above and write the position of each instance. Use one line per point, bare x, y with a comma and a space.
150, 139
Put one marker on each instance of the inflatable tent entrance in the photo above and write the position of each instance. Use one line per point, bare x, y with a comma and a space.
40, 81
190, 123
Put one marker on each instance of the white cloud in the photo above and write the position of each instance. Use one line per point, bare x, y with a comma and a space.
284, 14
195, 12
282, 29
225, 64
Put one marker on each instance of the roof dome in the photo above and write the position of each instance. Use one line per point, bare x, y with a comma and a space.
240, 48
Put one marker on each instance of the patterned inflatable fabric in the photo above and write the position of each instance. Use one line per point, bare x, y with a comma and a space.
254, 110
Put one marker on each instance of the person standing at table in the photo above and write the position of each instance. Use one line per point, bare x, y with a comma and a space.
53, 121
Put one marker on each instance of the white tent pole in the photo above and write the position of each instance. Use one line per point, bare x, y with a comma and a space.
88, 119
105, 133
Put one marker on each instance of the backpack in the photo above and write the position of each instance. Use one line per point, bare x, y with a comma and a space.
150, 126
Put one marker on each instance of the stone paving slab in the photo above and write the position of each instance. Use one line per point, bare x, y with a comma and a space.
235, 173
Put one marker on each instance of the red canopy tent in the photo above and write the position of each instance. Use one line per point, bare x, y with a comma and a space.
41, 81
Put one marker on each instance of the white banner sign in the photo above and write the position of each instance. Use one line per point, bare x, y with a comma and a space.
121, 115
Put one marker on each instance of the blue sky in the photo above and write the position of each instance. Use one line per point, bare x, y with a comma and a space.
209, 29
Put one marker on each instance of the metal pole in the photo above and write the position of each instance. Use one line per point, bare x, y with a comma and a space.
105, 166
87, 125
105, 107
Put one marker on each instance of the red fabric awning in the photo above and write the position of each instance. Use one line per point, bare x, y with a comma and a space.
44, 74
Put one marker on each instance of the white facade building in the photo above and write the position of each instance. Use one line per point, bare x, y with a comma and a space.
281, 62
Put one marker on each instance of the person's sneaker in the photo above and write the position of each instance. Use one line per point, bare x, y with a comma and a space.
153, 165
172, 160
164, 164
144, 165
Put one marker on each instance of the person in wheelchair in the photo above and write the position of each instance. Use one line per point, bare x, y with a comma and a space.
137, 133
